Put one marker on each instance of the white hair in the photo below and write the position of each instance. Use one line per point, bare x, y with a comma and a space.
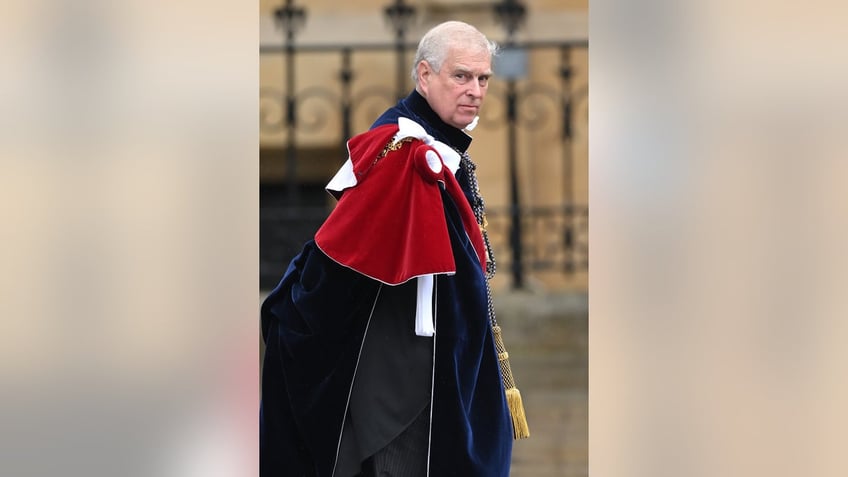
436, 43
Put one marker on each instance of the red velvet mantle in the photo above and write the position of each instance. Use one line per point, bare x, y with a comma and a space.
391, 225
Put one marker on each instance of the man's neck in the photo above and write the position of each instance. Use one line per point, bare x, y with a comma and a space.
443, 131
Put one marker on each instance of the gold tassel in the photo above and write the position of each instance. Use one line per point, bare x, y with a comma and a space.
520, 429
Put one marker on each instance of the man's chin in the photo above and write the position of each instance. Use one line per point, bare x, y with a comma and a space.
464, 120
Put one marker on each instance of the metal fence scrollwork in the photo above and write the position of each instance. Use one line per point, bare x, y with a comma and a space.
525, 239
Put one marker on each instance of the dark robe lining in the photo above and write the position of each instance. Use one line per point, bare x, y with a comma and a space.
392, 383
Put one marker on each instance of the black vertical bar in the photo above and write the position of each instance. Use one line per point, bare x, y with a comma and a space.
569, 220
401, 65
291, 123
566, 134
400, 14
515, 206
346, 77
511, 14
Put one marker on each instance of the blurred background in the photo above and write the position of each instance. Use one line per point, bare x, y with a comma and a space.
327, 70
130, 207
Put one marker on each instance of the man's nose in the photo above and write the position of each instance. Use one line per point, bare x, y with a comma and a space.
474, 90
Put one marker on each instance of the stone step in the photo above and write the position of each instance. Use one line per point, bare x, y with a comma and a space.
547, 338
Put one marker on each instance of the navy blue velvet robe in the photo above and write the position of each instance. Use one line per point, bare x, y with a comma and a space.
313, 324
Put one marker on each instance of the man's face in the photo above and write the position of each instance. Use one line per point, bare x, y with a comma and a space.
456, 92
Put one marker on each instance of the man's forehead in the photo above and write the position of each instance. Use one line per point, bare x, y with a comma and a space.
481, 67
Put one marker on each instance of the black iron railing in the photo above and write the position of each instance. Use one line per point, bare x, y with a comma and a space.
555, 238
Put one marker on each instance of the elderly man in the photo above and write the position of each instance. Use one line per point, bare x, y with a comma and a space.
380, 354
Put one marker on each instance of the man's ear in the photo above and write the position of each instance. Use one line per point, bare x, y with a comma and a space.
424, 72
